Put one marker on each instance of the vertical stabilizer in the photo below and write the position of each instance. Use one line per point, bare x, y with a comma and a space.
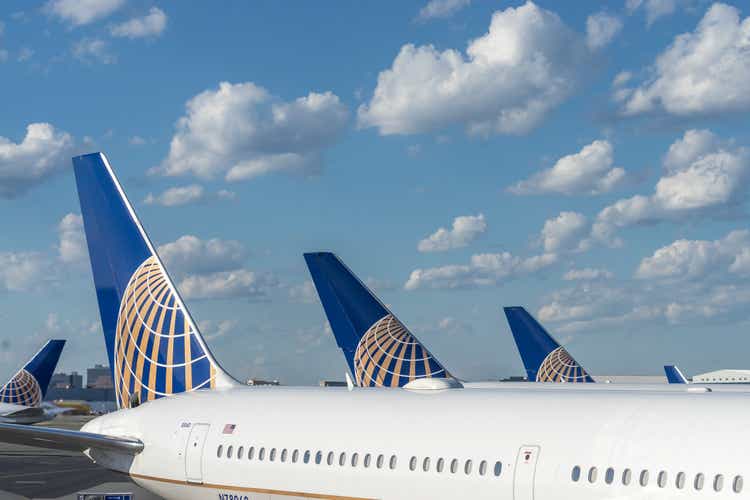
674, 375
29, 385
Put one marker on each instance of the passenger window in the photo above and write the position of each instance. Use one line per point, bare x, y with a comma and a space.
482, 467
575, 474
592, 474
229, 452
240, 452
381, 460
413, 463
454, 466
329, 459
699, 480
251, 453
318, 457
272, 455
342, 459
306, 457
261, 454
218, 451
440, 464
718, 482
627, 476
661, 479
498, 468
737, 485
367, 460
644, 478
295, 456
426, 464
680, 481
355, 459
283, 455
393, 462
467, 467
609, 475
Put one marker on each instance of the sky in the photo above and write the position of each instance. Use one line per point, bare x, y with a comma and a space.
587, 160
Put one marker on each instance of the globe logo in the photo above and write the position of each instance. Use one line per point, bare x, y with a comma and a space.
23, 389
559, 366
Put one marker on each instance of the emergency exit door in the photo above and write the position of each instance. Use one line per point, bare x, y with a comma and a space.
194, 453
525, 471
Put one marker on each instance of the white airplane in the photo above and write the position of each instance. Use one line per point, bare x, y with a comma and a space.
187, 430
21, 397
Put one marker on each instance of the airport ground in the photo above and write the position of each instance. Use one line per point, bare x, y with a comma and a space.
31, 473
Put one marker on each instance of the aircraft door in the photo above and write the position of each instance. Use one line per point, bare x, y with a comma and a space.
194, 453
525, 471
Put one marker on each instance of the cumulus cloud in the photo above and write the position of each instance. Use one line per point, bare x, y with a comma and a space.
192, 255
489, 269
43, 152
701, 177
509, 79
176, 196
72, 246
238, 283
214, 329
240, 131
436, 9
91, 50
590, 171
24, 271
80, 12
304, 292
654, 8
702, 72
454, 326
601, 29
588, 274
465, 229
567, 231
150, 25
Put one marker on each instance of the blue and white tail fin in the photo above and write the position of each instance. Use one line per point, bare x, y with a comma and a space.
674, 375
379, 349
29, 385
154, 346
544, 359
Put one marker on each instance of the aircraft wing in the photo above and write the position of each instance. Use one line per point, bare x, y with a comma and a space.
62, 439
16, 411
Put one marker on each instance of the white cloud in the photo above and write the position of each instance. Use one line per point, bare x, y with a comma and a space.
192, 255
176, 196
601, 29
24, 271
526, 64
214, 329
240, 131
304, 292
588, 274
702, 72
453, 326
237, 283
137, 140
72, 246
80, 12
567, 232
702, 177
654, 8
152, 24
436, 9
465, 229
698, 259
622, 78
487, 269
90, 50
590, 171
43, 152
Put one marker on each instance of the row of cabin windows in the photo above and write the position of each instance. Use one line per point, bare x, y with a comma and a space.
662, 479
441, 464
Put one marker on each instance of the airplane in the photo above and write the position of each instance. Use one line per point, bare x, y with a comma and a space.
21, 397
186, 430
674, 375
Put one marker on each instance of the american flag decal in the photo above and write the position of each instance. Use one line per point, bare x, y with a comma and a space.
229, 428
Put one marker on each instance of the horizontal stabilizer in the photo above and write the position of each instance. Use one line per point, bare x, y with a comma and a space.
674, 375
63, 439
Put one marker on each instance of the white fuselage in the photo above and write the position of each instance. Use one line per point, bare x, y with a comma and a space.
537, 437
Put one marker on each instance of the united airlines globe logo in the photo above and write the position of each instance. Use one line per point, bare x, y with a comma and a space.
156, 351
559, 366
23, 389
388, 355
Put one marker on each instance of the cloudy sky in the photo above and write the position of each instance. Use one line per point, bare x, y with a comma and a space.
589, 161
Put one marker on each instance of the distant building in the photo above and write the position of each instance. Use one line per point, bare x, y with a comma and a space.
99, 377
66, 381
257, 381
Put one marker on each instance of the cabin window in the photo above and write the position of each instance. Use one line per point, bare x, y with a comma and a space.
342, 459
413, 463
440, 464
498, 468
251, 453
718, 482
737, 484
240, 452
609, 475
393, 462
699, 480
261, 454
218, 451
575, 474
329, 459
295, 456
355, 459
467, 467
318, 457
680, 481
627, 476
661, 479
367, 460
643, 480
454, 466
482, 467
229, 451
380, 461
306, 457
593, 473
272, 455
283, 455
426, 464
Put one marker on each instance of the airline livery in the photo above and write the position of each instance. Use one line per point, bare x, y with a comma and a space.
674, 375
186, 430
21, 397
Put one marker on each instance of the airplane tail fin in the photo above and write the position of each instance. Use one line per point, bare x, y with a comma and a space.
674, 375
153, 344
544, 359
29, 385
379, 349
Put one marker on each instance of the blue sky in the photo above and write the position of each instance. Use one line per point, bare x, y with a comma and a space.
587, 160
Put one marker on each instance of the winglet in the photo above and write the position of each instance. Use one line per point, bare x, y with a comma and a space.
674, 375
